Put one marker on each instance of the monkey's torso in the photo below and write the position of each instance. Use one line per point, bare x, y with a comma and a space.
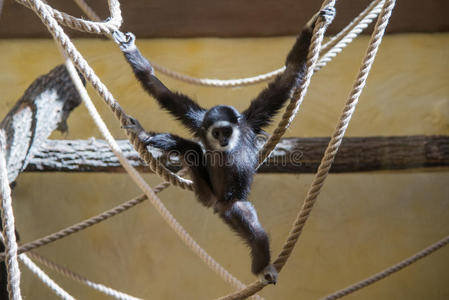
231, 173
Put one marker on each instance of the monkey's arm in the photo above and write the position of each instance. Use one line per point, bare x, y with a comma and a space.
263, 108
164, 141
180, 106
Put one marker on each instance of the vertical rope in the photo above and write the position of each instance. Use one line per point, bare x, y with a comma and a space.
337, 137
331, 151
12, 266
336, 44
299, 93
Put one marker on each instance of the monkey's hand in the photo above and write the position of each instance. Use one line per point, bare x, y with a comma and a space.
126, 41
269, 275
134, 127
326, 15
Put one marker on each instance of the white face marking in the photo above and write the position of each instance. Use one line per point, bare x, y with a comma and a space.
215, 144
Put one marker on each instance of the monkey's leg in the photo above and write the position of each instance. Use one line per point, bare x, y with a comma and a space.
242, 218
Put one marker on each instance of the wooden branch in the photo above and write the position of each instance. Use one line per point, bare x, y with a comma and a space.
292, 155
44, 107
225, 18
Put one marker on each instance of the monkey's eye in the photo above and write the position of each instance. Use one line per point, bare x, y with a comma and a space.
215, 133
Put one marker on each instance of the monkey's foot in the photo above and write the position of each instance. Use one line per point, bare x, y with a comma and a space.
269, 275
125, 40
327, 15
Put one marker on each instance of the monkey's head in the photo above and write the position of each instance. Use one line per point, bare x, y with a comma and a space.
221, 128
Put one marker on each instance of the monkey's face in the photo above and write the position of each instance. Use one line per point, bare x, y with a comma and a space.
223, 136
221, 125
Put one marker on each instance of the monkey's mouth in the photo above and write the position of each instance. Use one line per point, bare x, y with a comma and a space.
224, 144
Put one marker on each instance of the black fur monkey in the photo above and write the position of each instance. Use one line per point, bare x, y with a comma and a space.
223, 164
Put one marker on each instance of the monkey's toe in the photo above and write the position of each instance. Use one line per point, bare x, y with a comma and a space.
328, 14
269, 275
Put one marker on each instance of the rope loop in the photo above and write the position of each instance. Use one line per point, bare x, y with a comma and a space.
106, 27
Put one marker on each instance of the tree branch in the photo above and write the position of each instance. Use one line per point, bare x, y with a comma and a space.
292, 155
44, 107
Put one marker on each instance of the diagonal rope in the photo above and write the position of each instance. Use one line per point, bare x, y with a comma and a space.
42, 276
389, 271
81, 279
8, 226
300, 92
330, 153
337, 43
141, 183
329, 50
108, 27
70, 50
88, 222
337, 137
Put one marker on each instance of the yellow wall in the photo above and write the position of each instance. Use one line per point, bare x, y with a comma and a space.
361, 224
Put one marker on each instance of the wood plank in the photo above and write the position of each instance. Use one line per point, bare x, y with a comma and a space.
226, 18
292, 155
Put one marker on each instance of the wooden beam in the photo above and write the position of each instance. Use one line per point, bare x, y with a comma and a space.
292, 155
226, 18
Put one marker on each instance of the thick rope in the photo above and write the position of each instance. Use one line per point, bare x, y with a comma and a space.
389, 271
108, 27
337, 43
81, 279
330, 153
141, 183
330, 50
299, 93
42, 276
60, 292
70, 50
87, 223
12, 266
337, 137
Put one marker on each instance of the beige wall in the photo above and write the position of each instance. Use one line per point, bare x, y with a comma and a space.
361, 224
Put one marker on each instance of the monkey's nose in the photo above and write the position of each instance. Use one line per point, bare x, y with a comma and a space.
224, 143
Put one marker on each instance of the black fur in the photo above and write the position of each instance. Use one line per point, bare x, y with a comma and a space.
223, 178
